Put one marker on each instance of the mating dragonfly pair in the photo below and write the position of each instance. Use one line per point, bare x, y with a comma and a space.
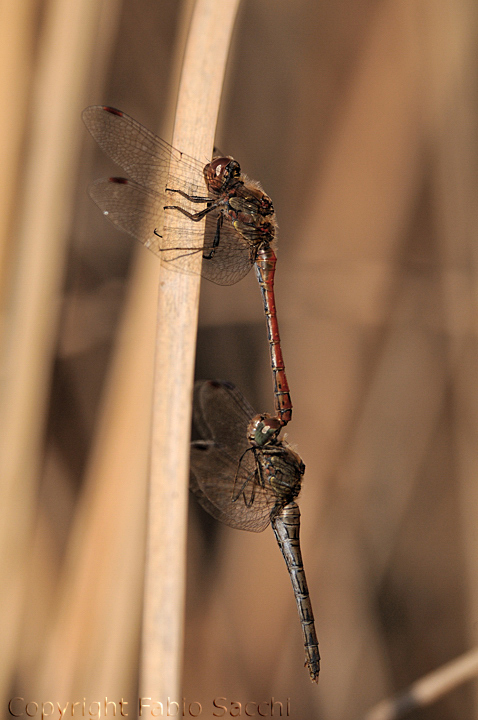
241, 471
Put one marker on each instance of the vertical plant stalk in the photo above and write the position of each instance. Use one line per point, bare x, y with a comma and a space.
196, 116
32, 280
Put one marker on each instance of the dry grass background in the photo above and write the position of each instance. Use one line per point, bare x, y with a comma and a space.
359, 119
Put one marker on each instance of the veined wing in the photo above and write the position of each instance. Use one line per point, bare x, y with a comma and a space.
136, 205
139, 211
222, 414
216, 481
145, 157
224, 474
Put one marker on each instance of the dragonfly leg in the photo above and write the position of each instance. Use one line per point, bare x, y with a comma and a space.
258, 480
191, 198
215, 242
241, 491
186, 252
192, 216
195, 216
259, 477
249, 502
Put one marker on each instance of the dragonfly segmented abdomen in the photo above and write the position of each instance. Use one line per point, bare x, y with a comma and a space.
286, 526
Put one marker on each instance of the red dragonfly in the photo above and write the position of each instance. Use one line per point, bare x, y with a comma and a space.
235, 230
245, 476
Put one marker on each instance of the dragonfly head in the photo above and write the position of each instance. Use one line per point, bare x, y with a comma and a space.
221, 172
262, 429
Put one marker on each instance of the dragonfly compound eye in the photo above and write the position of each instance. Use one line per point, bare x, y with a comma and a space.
262, 429
220, 172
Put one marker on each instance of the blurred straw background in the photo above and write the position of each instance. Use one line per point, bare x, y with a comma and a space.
359, 119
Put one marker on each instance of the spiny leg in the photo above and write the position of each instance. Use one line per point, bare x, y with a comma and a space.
191, 198
215, 242
196, 217
237, 495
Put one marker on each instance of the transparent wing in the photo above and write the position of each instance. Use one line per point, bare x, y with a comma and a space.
222, 414
224, 474
232, 258
139, 211
131, 207
216, 480
137, 205
145, 157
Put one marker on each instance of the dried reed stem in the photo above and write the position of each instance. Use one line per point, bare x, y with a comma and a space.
106, 546
198, 103
428, 689
35, 272
16, 38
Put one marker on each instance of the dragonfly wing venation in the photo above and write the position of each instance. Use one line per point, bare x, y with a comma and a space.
145, 157
136, 205
139, 211
222, 414
223, 463
131, 207
216, 481
231, 259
